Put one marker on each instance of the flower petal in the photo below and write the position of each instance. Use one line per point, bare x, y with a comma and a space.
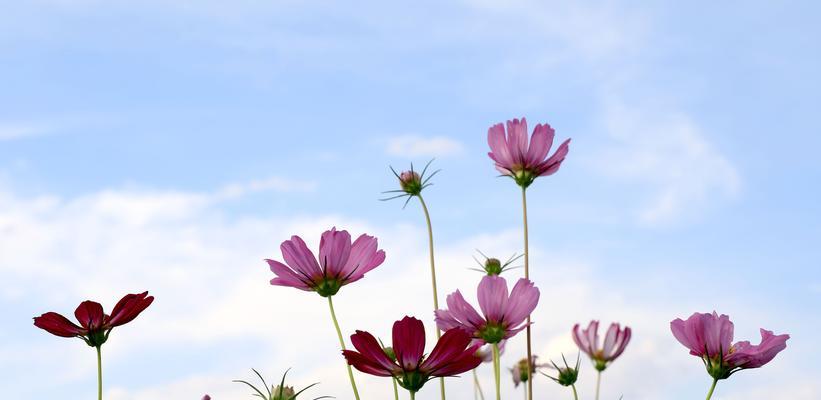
300, 258
90, 315
128, 308
58, 325
523, 300
409, 342
492, 293
334, 250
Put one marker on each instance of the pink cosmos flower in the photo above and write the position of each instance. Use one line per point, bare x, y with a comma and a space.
95, 324
522, 162
615, 341
340, 262
504, 315
710, 337
452, 355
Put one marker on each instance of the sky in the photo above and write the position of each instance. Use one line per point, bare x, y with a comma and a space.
172, 146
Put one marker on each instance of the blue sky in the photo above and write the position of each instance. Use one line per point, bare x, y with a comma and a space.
171, 147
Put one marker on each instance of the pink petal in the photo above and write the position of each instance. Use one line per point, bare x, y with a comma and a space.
334, 250
493, 296
523, 300
540, 144
300, 258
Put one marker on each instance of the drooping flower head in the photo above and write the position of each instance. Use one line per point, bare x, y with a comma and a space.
615, 341
493, 266
411, 183
95, 324
522, 162
452, 355
520, 371
340, 262
504, 314
567, 375
710, 337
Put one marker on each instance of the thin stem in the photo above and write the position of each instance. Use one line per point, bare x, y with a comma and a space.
598, 384
477, 386
497, 370
413, 395
433, 278
99, 374
575, 394
342, 344
712, 388
395, 389
527, 276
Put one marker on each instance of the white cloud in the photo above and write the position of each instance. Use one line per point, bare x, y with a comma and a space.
417, 146
667, 153
13, 131
206, 271
276, 184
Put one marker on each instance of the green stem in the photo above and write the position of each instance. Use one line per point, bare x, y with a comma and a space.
575, 394
527, 276
99, 374
497, 370
598, 384
413, 395
342, 344
395, 389
477, 386
712, 388
432, 278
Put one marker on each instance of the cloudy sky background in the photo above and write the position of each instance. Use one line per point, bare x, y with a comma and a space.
171, 147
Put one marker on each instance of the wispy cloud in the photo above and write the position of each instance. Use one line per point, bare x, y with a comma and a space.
667, 153
13, 131
419, 146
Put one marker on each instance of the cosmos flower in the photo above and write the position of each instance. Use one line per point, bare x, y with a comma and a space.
615, 341
452, 355
520, 372
95, 324
522, 162
710, 336
503, 315
340, 262
486, 352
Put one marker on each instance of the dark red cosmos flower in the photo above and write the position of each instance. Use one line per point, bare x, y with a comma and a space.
95, 325
451, 356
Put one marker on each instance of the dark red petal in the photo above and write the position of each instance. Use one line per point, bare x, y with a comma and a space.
409, 342
364, 364
463, 363
57, 324
128, 308
370, 348
90, 315
451, 345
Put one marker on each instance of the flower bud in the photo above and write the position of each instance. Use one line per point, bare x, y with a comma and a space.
493, 266
410, 182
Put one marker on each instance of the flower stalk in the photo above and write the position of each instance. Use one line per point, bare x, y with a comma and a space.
497, 375
99, 374
527, 276
432, 278
342, 345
